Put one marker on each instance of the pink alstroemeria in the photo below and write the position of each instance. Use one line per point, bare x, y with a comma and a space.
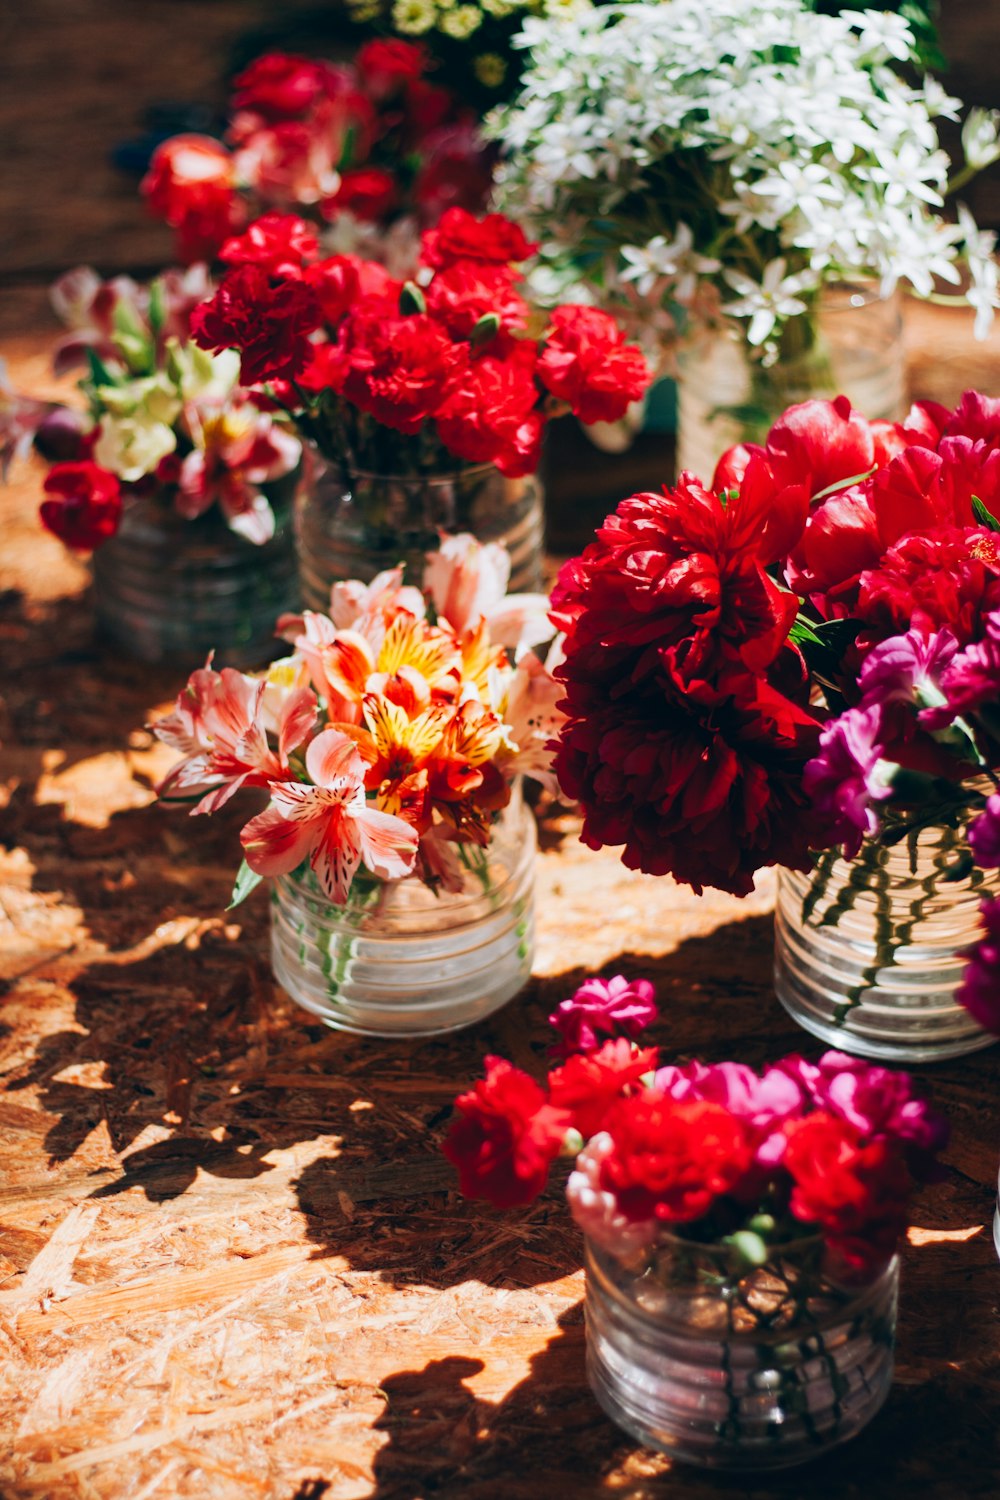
367, 607
467, 582
237, 449
218, 724
330, 823
531, 712
86, 304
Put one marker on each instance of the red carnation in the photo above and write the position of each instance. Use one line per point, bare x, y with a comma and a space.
588, 1085
491, 416
346, 283
280, 244
398, 368
191, 185
857, 1194
504, 1137
672, 1160
462, 236
369, 193
268, 324
281, 86
587, 363
463, 293
85, 506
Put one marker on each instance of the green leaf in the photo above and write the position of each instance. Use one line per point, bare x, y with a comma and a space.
247, 881
802, 633
983, 516
157, 310
99, 372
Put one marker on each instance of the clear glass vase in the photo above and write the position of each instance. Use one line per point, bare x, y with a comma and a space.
869, 952
400, 960
351, 524
734, 1369
170, 589
853, 346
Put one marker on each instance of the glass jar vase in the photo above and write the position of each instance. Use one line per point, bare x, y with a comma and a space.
734, 1369
400, 960
851, 346
171, 589
351, 524
869, 951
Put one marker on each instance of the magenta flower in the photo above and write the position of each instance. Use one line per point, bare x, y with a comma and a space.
765, 1102
979, 991
971, 680
603, 1008
847, 776
984, 835
879, 1103
906, 666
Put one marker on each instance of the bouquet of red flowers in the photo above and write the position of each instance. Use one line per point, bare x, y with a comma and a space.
407, 377
362, 147
804, 656
715, 1154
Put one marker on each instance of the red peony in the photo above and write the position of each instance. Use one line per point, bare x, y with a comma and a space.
398, 368
269, 325
491, 416
950, 577
281, 86
281, 244
504, 1137
588, 1085
387, 63
462, 236
84, 506
857, 1194
671, 1160
463, 293
587, 363
191, 185
369, 193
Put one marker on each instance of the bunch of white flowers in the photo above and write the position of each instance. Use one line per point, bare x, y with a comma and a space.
700, 158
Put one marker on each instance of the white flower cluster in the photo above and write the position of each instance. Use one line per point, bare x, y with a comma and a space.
733, 156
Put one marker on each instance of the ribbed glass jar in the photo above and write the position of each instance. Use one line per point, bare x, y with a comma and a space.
351, 524
868, 952
170, 589
398, 960
729, 1369
853, 347
996, 1220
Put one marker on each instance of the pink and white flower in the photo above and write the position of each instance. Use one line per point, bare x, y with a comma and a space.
467, 581
237, 449
596, 1210
330, 823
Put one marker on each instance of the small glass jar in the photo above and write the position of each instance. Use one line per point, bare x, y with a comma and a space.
734, 1369
869, 951
400, 960
852, 347
351, 524
171, 589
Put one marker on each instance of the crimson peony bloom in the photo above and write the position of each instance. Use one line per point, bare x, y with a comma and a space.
587, 363
589, 1084
671, 1160
268, 324
281, 244
857, 1194
979, 991
947, 578
191, 184
505, 1136
84, 507
460, 235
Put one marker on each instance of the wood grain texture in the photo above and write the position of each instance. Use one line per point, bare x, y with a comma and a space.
232, 1261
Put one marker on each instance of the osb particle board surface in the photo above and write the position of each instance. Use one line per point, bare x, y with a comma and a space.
232, 1262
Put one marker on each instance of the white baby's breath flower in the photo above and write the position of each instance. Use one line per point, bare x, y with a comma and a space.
414, 17
981, 138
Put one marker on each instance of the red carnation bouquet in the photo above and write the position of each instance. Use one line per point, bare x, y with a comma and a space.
714, 1156
372, 148
418, 377
804, 656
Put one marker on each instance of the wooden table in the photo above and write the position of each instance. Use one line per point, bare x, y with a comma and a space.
232, 1260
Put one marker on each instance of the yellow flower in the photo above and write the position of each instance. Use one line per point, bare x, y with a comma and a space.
461, 22
413, 17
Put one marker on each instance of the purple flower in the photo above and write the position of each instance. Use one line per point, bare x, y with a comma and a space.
984, 835
979, 991
603, 1008
845, 778
899, 669
970, 680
